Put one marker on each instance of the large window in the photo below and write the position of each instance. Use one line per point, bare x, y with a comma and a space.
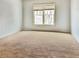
45, 17
44, 14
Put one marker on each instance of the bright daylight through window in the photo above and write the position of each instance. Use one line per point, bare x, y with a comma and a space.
44, 14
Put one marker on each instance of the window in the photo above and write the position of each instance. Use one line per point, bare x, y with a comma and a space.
49, 17
38, 17
44, 14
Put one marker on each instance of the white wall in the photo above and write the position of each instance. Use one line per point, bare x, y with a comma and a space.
10, 17
75, 18
62, 15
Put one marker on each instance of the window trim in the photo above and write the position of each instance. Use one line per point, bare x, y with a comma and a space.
34, 5
53, 18
43, 18
34, 18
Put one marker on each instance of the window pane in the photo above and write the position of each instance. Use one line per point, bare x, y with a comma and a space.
38, 17
49, 17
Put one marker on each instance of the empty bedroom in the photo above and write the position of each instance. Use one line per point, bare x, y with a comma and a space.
39, 29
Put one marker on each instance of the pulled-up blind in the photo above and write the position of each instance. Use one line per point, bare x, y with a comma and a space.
41, 6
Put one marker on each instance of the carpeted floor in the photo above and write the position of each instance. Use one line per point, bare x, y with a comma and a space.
34, 44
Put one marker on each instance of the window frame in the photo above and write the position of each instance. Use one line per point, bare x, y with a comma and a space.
53, 15
43, 18
34, 18
37, 9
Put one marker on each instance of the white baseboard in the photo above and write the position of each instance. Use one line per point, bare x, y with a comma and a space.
76, 37
9, 34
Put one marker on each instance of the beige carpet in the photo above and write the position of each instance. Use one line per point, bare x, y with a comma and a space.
39, 44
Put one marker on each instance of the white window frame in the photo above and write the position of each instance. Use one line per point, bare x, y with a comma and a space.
37, 7
52, 15
37, 15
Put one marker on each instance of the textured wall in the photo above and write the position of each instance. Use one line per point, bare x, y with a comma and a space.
10, 16
62, 15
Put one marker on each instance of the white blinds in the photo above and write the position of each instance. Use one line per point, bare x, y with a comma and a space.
41, 6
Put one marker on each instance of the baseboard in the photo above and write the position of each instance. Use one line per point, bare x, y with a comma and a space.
9, 34
76, 38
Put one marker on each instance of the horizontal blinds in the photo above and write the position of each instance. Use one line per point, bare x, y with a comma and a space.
43, 6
